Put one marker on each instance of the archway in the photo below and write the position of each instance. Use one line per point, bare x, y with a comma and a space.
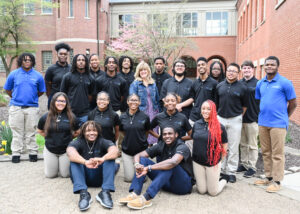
191, 66
220, 59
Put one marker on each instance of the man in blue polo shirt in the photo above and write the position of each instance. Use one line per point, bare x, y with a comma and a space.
24, 85
277, 103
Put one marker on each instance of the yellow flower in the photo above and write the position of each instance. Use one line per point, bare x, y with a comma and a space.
3, 123
5, 154
4, 142
2, 150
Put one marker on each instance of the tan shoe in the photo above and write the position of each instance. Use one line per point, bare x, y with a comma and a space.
262, 182
128, 198
139, 203
274, 187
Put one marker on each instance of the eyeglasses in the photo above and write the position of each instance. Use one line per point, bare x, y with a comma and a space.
26, 60
179, 66
102, 99
133, 101
232, 71
61, 101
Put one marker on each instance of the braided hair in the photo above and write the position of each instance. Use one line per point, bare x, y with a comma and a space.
214, 146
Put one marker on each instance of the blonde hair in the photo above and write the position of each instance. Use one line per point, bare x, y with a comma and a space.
141, 66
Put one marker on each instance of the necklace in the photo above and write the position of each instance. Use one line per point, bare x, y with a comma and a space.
131, 118
90, 148
58, 118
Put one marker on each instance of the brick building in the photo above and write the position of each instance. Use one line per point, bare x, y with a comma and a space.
225, 30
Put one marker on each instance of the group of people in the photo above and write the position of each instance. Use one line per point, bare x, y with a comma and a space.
194, 128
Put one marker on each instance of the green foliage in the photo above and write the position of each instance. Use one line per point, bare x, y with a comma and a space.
3, 99
5, 137
288, 137
40, 141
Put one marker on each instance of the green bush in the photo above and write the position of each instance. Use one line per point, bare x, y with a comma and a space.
6, 138
40, 141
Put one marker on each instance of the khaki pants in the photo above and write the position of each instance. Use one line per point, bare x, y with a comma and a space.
129, 169
23, 124
248, 146
233, 128
272, 145
54, 164
207, 179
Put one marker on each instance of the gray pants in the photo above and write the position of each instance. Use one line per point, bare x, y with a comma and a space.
249, 148
233, 128
207, 179
54, 164
129, 169
23, 124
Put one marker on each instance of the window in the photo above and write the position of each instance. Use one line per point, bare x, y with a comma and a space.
187, 24
127, 20
46, 6
216, 23
87, 12
71, 12
262, 11
28, 8
47, 59
159, 22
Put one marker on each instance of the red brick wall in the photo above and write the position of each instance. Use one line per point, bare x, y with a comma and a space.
278, 35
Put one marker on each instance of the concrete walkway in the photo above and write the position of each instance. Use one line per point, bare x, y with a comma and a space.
24, 189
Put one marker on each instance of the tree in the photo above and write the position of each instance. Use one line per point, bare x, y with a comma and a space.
150, 36
14, 38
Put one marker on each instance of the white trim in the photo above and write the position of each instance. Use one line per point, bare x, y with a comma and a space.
65, 40
279, 3
255, 63
261, 61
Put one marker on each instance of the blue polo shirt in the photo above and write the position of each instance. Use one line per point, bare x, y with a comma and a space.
274, 96
25, 86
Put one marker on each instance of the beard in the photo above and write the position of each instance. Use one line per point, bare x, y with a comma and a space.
179, 74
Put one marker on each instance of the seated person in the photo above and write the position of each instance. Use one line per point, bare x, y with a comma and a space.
173, 173
92, 164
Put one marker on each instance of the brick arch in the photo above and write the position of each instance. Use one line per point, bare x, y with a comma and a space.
222, 59
191, 65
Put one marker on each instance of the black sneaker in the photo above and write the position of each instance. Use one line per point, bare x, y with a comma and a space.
241, 168
33, 158
15, 159
224, 177
250, 173
85, 200
104, 199
232, 178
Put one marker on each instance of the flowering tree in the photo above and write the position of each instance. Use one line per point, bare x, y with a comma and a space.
147, 39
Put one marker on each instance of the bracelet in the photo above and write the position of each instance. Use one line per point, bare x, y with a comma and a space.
149, 168
136, 164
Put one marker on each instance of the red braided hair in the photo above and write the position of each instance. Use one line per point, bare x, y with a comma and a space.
214, 145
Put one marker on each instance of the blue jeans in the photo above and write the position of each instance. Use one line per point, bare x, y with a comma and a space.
175, 180
103, 176
82, 119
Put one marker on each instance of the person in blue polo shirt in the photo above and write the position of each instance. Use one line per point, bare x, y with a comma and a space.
277, 103
24, 85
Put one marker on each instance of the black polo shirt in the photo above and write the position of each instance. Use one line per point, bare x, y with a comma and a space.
54, 74
251, 115
78, 86
202, 91
97, 73
200, 145
160, 78
231, 98
99, 149
178, 121
115, 86
58, 138
135, 128
108, 119
164, 152
182, 88
129, 78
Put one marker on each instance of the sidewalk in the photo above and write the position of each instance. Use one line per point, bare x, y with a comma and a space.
24, 189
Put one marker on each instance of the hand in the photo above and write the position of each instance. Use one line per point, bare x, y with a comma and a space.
91, 164
99, 161
178, 107
143, 172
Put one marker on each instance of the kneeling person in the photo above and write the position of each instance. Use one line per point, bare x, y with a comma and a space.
92, 164
172, 174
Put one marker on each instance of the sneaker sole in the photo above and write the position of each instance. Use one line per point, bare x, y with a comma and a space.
272, 191
101, 202
248, 176
91, 200
140, 208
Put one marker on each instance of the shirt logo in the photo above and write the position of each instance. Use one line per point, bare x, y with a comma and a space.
276, 86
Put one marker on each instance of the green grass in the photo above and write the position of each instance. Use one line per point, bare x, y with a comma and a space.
40, 141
